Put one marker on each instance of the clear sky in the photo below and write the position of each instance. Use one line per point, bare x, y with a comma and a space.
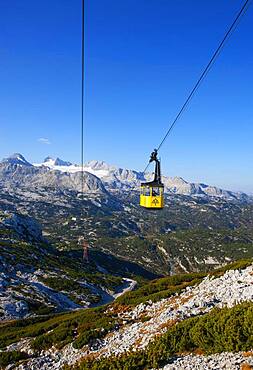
142, 59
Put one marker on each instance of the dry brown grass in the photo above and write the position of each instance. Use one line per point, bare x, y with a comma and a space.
185, 299
199, 352
168, 324
184, 353
120, 308
89, 357
172, 301
246, 366
138, 341
144, 331
110, 334
176, 301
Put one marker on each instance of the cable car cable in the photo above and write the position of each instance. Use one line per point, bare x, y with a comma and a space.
232, 28
82, 102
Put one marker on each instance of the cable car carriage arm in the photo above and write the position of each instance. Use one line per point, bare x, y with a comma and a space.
152, 192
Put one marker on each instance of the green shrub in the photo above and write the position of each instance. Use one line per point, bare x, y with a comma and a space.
227, 329
160, 288
83, 326
7, 358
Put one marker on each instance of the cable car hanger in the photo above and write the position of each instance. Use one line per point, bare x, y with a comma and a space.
152, 192
153, 202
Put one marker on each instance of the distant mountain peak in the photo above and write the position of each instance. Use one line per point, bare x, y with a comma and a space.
114, 178
16, 158
56, 162
99, 165
48, 159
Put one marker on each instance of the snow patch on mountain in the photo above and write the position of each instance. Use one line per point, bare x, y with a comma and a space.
97, 168
56, 162
113, 178
116, 178
14, 175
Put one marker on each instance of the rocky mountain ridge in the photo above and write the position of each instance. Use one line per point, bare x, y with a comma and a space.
16, 172
67, 175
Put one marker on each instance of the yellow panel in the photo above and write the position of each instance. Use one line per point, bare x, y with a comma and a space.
151, 202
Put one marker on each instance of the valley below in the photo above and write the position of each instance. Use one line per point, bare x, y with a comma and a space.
148, 277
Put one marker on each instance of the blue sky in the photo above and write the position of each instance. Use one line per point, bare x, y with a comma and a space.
142, 59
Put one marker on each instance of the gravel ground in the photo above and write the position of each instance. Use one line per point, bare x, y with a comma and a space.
225, 360
235, 286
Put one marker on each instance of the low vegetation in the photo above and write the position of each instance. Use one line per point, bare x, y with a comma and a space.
58, 330
227, 329
7, 358
167, 286
159, 289
74, 290
83, 326
182, 250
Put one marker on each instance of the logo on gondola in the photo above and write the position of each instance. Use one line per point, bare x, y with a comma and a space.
155, 202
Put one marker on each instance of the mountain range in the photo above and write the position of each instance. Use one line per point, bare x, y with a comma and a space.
98, 177
144, 324
193, 232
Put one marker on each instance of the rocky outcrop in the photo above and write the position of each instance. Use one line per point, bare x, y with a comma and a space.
16, 175
232, 288
26, 227
225, 360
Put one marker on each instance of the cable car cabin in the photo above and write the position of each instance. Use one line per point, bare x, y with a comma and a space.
152, 192
152, 195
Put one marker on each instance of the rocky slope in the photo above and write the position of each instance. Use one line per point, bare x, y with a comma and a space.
35, 278
140, 328
225, 360
16, 172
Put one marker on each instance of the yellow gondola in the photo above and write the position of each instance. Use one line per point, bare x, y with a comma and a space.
152, 193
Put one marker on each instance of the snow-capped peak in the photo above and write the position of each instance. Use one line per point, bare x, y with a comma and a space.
100, 165
98, 168
17, 158
49, 161
117, 178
